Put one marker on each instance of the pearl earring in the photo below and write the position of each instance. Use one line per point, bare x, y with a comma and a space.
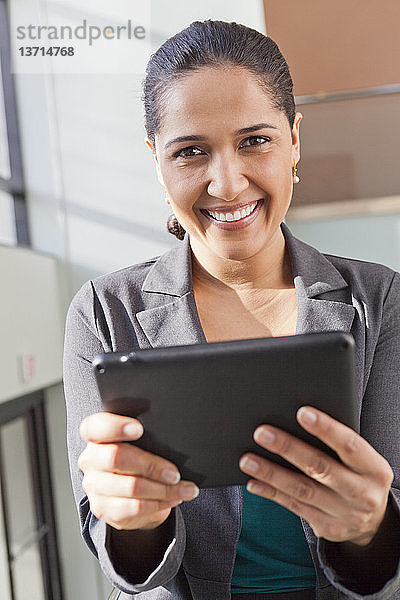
296, 178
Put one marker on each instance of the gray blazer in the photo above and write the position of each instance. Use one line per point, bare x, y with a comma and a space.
152, 304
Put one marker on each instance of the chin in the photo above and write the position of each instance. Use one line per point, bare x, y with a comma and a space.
240, 250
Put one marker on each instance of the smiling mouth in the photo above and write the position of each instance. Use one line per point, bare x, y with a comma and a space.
236, 215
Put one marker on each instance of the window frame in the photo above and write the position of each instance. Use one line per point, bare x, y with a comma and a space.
15, 184
32, 409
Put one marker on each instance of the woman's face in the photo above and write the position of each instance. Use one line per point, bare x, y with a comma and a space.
237, 156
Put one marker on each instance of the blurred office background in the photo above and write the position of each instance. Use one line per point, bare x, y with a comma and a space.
79, 197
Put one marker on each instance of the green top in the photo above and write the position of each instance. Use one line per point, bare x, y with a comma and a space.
272, 553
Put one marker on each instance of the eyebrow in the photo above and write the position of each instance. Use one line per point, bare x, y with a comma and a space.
201, 138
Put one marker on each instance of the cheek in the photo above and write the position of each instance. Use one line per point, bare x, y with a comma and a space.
183, 197
185, 186
273, 167
275, 177
278, 166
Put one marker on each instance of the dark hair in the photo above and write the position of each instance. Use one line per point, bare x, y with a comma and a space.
214, 44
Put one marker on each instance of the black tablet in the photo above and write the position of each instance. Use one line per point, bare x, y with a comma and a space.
200, 404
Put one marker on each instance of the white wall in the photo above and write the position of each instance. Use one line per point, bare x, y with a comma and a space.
30, 322
372, 238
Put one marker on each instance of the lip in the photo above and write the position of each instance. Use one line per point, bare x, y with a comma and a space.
231, 209
235, 225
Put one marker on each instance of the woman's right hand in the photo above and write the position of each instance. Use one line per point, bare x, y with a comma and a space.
127, 487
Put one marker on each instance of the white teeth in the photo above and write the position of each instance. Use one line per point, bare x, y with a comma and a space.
236, 216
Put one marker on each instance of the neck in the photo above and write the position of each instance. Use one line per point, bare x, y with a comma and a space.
269, 269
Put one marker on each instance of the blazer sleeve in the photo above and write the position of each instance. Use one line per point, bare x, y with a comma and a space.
374, 570
86, 335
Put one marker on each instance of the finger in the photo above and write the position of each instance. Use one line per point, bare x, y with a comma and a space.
124, 513
318, 466
300, 487
126, 486
313, 462
126, 459
106, 427
323, 525
361, 492
354, 451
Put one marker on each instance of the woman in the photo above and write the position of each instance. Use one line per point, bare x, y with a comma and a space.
222, 127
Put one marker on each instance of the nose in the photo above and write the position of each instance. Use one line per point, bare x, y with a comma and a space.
227, 179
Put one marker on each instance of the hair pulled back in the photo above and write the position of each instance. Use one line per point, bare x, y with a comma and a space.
214, 44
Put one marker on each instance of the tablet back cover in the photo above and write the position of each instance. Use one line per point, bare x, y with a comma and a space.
200, 404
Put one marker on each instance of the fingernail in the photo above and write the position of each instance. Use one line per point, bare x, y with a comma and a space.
265, 436
132, 430
189, 491
255, 488
170, 476
307, 416
249, 464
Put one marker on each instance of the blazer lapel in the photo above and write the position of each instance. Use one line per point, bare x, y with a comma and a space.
172, 317
323, 296
314, 276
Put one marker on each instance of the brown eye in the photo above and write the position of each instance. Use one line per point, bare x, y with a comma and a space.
186, 152
257, 139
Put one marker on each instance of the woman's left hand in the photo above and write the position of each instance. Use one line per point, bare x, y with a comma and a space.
341, 502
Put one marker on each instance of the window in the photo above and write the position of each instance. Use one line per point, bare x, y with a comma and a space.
27, 503
13, 213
